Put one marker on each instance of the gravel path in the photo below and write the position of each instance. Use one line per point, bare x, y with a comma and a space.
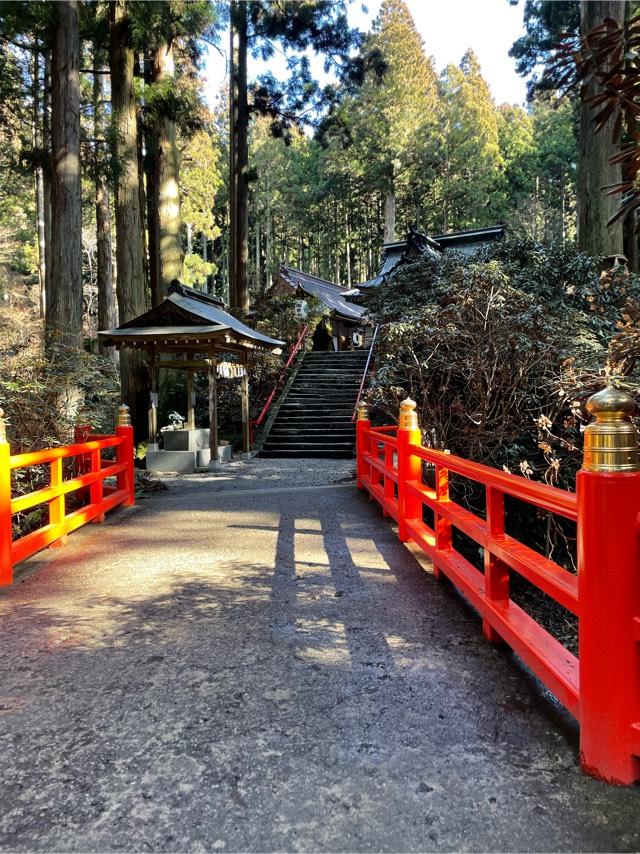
252, 661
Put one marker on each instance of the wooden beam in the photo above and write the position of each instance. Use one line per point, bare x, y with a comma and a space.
191, 414
181, 364
153, 405
244, 390
213, 415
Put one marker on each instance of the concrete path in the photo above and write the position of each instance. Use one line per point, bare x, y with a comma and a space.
252, 662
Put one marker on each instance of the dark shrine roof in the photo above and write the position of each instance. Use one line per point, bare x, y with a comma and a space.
189, 318
471, 238
331, 294
419, 245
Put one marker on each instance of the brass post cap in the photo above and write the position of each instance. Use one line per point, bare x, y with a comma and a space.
363, 411
611, 441
124, 418
408, 419
612, 403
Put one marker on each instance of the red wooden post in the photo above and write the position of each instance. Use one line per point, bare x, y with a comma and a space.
409, 467
609, 592
83, 462
124, 454
442, 526
362, 443
57, 506
389, 485
6, 563
496, 572
96, 490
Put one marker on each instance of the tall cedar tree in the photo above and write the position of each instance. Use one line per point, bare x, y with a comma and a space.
396, 114
64, 302
260, 26
470, 196
130, 283
595, 170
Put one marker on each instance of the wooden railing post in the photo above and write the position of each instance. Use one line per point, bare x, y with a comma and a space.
96, 490
362, 443
496, 572
409, 467
6, 564
124, 454
441, 525
608, 490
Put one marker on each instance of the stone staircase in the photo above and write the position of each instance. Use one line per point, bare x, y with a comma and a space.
315, 417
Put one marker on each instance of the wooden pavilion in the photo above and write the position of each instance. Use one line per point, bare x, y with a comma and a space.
194, 333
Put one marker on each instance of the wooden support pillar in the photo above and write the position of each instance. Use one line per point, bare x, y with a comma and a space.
246, 438
153, 404
191, 412
213, 415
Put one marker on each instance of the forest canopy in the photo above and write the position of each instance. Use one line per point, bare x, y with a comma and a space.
127, 173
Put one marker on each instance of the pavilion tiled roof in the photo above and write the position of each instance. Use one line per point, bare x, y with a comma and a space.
184, 315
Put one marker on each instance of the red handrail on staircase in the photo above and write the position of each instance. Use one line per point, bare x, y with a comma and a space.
280, 381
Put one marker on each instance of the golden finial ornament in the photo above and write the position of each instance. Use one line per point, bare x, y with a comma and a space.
408, 419
124, 417
363, 411
611, 441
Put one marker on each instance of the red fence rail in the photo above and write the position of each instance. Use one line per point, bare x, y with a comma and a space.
91, 471
600, 687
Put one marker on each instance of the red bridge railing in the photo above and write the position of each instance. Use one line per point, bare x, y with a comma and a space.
600, 687
90, 470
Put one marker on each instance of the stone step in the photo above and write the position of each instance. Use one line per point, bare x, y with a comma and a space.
326, 424
309, 446
308, 455
320, 398
319, 432
338, 359
323, 404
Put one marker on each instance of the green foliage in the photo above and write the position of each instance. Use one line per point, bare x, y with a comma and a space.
200, 180
544, 22
473, 163
196, 271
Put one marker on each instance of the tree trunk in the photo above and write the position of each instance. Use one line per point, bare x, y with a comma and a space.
268, 265
347, 230
107, 317
46, 177
167, 183
390, 213
64, 300
631, 241
38, 176
259, 288
595, 172
130, 285
150, 172
239, 157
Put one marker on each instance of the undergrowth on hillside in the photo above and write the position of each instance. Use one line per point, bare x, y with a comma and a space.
501, 352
